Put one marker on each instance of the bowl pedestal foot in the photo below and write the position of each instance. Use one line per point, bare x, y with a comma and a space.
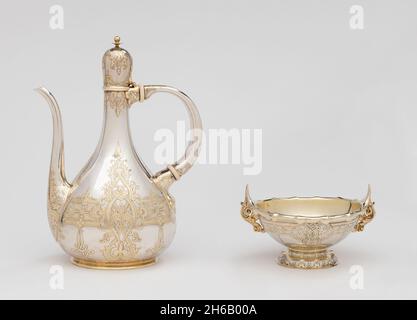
307, 259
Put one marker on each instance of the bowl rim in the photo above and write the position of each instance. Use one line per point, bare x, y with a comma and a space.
272, 215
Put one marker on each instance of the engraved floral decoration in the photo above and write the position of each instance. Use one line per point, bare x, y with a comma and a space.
312, 233
303, 237
116, 67
118, 61
305, 261
57, 195
120, 213
116, 101
133, 94
80, 247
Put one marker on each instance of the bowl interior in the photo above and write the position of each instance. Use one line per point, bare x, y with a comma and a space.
310, 207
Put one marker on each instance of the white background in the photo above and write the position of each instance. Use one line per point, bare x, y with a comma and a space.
337, 108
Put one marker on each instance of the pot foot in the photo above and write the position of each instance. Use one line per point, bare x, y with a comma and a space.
112, 265
307, 259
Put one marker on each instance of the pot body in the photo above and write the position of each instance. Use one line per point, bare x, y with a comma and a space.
114, 214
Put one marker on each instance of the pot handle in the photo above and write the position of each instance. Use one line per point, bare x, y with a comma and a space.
248, 213
175, 171
369, 212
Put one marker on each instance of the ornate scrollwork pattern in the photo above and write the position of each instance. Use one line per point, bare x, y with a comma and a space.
80, 247
133, 94
116, 101
365, 218
56, 197
247, 213
118, 61
314, 233
307, 260
120, 213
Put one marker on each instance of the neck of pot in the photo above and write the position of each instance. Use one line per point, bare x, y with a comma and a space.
116, 130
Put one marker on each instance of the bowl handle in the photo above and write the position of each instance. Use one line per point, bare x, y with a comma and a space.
368, 214
248, 212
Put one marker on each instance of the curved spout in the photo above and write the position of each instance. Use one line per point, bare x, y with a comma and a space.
57, 156
59, 187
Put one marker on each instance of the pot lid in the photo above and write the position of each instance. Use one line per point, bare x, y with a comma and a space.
117, 66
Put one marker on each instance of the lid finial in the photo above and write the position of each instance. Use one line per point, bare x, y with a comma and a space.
116, 41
